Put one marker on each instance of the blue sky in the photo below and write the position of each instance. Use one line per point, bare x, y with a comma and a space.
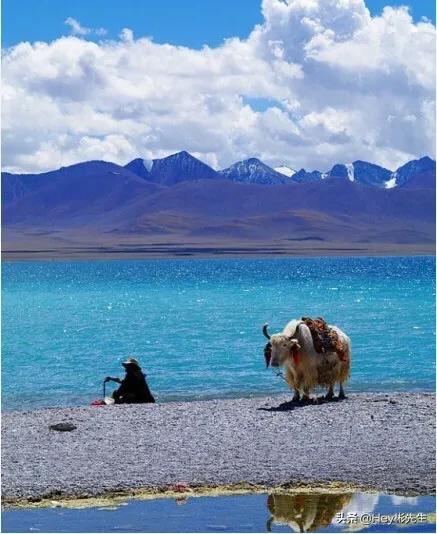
191, 23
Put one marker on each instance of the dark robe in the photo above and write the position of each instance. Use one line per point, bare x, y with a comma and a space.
133, 389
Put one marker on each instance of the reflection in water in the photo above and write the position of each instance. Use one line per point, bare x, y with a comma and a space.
351, 512
301, 512
304, 512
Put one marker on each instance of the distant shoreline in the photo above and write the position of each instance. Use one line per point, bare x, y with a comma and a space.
258, 251
369, 441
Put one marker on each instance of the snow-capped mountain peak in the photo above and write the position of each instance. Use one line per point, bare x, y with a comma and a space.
253, 171
286, 171
148, 164
350, 171
389, 184
412, 168
362, 172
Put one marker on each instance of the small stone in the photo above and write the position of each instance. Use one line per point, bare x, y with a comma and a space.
63, 427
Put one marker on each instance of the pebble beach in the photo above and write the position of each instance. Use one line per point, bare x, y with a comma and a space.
384, 442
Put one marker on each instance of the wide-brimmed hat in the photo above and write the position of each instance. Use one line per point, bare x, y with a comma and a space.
131, 361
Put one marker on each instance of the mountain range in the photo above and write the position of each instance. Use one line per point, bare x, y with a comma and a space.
183, 166
179, 199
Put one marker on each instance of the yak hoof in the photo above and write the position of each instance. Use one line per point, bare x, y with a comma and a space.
341, 396
296, 398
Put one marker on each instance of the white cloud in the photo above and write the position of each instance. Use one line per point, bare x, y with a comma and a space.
339, 84
76, 28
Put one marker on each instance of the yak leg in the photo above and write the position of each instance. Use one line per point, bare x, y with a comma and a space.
306, 395
293, 381
341, 394
330, 394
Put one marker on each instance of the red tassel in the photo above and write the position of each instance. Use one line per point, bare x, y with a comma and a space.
296, 355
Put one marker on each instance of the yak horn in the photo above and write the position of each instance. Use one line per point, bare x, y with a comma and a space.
265, 331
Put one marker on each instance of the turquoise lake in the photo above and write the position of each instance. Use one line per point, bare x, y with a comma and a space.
195, 325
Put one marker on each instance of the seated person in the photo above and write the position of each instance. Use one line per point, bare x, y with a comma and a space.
133, 388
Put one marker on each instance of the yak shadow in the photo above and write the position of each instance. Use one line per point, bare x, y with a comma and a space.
293, 405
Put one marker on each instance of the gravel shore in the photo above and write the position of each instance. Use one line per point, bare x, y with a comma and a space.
379, 441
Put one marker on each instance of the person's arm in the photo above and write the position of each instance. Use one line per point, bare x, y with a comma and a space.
114, 379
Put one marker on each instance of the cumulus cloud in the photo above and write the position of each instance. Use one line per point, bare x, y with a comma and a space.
338, 85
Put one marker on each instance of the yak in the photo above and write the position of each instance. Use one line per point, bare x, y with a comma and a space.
305, 368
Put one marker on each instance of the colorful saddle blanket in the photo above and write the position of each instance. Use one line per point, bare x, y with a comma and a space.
325, 339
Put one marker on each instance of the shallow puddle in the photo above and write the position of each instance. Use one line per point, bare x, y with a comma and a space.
297, 512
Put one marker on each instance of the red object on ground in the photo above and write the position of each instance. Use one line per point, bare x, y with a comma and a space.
180, 487
98, 402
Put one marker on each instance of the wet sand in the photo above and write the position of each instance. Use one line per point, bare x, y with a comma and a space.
370, 441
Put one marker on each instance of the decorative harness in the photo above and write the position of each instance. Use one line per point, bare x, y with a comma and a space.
325, 339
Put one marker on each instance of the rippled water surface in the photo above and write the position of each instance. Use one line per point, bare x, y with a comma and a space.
196, 324
342, 512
